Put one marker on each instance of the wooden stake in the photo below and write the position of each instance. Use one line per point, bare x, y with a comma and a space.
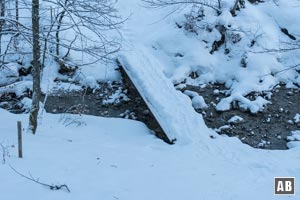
20, 139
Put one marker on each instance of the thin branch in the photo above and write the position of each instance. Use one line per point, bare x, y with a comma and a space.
4, 153
165, 3
51, 187
286, 69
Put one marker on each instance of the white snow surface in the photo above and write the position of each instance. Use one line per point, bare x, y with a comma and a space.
261, 23
198, 101
295, 136
19, 88
116, 97
118, 158
297, 118
235, 119
8, 74
293, 144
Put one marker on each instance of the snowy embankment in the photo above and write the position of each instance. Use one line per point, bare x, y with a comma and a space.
250, 60
120, 159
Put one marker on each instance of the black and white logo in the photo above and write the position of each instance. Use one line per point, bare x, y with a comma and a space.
284, 185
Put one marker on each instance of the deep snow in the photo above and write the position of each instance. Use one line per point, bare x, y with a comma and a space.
121, 159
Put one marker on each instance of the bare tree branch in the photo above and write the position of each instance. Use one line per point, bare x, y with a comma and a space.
51, 187
165, 3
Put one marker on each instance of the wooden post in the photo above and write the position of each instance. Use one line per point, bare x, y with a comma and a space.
51, 14
20, 139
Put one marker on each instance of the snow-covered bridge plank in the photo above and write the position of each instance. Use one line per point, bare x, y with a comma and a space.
150, 119
171, 108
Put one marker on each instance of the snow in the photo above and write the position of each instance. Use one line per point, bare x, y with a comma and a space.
254, 106
295, 136
108, 158
177, 117
18, 88
116, 97
180, 86
101, 72
293, 144
191, 93
297, 118
263, 143
26, 102
8, 74
223, 128
235, 119
198, 102
90, 82
119, 158
216, 91
253, 22
294, 139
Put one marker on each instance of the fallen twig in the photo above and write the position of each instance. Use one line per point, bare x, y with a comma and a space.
3, 154
51, 187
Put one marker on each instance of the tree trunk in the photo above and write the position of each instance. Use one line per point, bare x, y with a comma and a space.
17, 24
219, 4
2, 14
59, 22
17, 11
36, 68
234, 8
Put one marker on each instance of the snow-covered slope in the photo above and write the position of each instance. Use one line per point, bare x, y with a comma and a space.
252, 62
120, 159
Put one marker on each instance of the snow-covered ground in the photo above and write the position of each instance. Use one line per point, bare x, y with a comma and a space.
181, 52
120, 159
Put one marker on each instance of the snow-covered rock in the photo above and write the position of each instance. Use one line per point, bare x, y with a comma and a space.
295, 136
198, 102
297, 118
254, 106
18, 88
235, 119
115, 98
26, 102
293, 144
190, 93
